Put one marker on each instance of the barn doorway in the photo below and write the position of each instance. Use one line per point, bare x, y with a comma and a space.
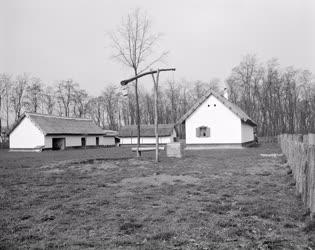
58, 143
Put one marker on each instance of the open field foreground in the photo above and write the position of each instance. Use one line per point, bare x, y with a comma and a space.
218, 199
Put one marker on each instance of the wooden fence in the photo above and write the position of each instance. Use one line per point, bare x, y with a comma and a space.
300, 152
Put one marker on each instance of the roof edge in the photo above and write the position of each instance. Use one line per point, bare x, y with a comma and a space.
221, 99
59, 117
16, 123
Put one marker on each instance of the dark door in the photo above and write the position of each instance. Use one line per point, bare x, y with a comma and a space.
97, 141
83, 141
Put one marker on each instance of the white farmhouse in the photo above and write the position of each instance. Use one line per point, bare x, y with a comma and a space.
37, 132
215, 121
128, 134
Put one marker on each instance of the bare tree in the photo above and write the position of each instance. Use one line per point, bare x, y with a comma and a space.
34, 94
49, 99
133, 43
65, 91
96, 109
214, 84
4, 78
110, 99
80, 101
6, 95
148, 112
18, 94
173, 96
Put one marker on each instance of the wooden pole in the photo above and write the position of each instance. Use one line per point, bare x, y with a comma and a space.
137, 118
156, 85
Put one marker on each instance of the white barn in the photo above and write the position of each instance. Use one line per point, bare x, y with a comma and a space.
37, 132
215, 121
110, 138
128, 134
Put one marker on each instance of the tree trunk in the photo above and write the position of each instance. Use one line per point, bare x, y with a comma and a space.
7, 109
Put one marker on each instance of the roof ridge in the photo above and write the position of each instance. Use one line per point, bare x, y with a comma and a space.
168, 124
60, 117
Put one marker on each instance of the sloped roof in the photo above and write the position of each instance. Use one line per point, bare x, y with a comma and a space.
146, 130
234, 108
49, 124
110, 133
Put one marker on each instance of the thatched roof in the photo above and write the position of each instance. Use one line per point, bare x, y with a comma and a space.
234, 108
50, 125
146, 130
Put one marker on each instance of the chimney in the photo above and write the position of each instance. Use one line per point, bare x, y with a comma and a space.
226, 93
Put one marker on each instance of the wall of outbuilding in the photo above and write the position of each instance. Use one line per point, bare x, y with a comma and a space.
109, 141
145, 140
74, 140
26, 136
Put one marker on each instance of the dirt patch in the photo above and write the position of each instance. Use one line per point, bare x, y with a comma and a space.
93, 167
96, 167
264, 167
157, 180
54, 171
58, 164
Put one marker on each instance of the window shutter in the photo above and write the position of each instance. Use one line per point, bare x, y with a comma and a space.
197, 132
208, 132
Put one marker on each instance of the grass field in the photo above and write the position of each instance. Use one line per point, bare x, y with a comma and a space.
218, 199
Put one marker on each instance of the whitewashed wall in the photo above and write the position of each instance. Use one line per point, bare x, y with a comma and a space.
108, 141
145, 140
26, 136
149, 140
75, 140
247, 133
225, 126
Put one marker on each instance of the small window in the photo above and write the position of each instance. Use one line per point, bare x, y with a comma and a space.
203, 131
97, 141
215, 105
83, 141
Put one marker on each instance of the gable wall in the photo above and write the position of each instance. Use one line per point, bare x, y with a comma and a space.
26, 136
225, 126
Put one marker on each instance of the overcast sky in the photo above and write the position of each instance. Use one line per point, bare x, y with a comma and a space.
61, 39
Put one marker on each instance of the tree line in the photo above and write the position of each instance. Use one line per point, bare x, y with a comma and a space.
279, 100
111, 109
